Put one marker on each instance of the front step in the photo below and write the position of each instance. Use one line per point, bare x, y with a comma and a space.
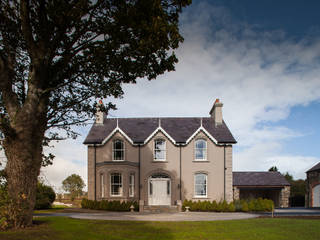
160, 209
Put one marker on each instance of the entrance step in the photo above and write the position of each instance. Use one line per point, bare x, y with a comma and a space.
160, 209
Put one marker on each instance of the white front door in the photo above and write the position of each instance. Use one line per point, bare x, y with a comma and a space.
159, 191
316, 196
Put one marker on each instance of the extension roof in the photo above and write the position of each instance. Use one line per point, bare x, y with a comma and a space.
178, 130
259, 179
314, 168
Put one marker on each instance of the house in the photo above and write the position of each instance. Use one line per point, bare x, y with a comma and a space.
270, 185
160, 161
313, 186
164, 161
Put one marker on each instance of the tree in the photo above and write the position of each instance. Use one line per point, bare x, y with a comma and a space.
45, 196
56, 58
74, 185
288, 177
273, 169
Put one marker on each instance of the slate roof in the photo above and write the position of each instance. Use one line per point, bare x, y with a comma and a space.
314, 168
139, 129
259, 179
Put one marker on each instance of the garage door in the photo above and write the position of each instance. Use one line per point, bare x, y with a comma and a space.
316, 196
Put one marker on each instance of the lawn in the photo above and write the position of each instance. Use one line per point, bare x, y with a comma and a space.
262, 228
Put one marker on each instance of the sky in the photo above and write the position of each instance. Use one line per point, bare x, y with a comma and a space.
260, 58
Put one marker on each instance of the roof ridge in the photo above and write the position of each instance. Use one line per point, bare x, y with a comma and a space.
112, 118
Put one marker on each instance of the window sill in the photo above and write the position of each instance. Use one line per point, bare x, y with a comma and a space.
116, 196
160, 161
117, 160
200, 161
199, 197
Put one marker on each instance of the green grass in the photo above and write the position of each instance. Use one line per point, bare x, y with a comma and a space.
262, 228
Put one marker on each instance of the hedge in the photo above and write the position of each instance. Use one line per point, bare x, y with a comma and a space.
109, 205
252, 205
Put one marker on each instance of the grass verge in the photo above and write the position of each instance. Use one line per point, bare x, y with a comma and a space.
60, 228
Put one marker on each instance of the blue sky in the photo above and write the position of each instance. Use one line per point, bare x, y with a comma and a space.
261, 58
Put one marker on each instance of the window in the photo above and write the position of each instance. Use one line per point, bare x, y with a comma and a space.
101, 185
201, 150
150, 188
118, 150
160, 150
116, 184
200, 185
131, 185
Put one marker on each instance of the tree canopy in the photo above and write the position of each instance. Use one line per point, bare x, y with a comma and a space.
73, 185
273, 169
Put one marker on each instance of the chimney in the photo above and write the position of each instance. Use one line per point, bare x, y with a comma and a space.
99, 113
216, 112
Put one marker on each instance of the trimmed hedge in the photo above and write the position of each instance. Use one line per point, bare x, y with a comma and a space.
252, 205
208, 206
109, 205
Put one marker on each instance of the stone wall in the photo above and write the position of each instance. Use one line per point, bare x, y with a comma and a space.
284, 197
236, 193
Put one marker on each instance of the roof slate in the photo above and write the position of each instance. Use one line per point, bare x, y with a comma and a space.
314, 168
139, 129
259, 179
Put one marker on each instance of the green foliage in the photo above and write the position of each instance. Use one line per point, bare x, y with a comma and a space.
288, 177
109, 205
4, 202
253, 205
273, 169
74, 185
45, 196
209, 206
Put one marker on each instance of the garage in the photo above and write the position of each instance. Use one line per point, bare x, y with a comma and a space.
316, 196
313, 186
267, 185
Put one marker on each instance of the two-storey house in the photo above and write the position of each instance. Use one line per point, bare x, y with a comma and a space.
160, 161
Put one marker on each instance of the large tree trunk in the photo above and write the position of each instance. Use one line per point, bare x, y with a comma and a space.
23, 149
23, 168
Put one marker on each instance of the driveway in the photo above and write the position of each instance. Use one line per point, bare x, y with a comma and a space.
128, 216
296, 212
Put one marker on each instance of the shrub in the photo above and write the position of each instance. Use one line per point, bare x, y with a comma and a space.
253, 205
109, 205
45, 196
244, 206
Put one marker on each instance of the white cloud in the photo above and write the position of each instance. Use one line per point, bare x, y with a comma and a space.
71, 158
258, 75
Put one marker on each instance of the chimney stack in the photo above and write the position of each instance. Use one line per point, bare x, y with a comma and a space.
99, 113
216, 112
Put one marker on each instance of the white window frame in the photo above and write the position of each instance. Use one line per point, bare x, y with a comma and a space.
195, 193
154, 150
102, 185
131, 184
205, 149
121, 185
114, 150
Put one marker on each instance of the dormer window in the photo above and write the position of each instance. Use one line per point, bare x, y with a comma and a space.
159, 150
118, 150
200, 150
